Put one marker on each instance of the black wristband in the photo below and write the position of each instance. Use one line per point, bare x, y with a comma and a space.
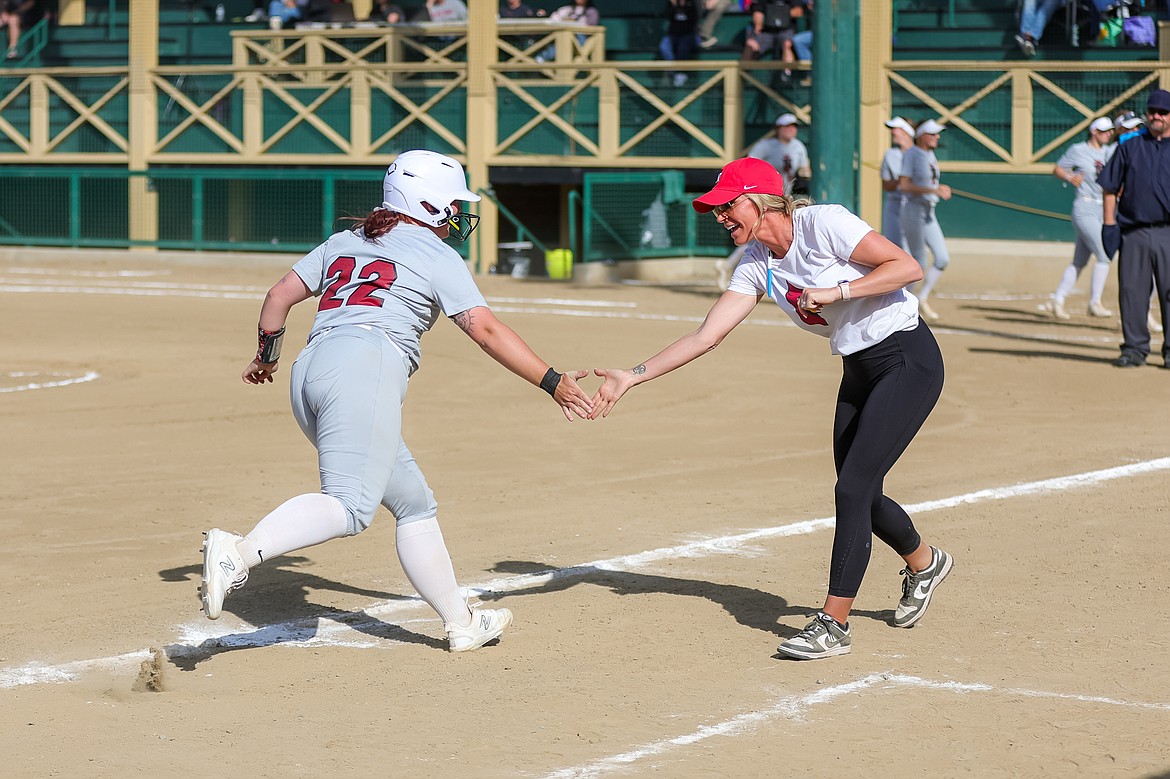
270, 341
550, 381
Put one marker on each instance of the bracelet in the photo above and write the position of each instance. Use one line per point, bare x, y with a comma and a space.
844, 287
550, 381
270, 341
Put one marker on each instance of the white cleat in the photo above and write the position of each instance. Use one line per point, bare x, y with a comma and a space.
1153, 323
1096, 309
486, 625
1056, 308
223, 570
928, 313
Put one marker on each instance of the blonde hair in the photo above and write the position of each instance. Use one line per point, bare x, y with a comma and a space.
778, 204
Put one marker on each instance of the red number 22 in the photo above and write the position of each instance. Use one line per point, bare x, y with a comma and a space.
379, 274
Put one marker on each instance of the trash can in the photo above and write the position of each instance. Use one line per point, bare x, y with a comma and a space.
559, 263
515, 259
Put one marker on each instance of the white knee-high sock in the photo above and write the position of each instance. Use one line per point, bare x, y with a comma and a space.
427, 564
306, 520
1068, 280
932, 276
1097, 281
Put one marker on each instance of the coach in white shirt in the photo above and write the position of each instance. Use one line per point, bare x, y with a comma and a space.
834, 276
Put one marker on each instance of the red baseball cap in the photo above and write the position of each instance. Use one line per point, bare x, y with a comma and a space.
738, 177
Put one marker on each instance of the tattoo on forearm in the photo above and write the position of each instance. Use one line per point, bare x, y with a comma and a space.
465, 320
638, 371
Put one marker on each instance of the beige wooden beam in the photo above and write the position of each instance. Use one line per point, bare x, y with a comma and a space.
143, 200
481, 126
876, 55
71, 13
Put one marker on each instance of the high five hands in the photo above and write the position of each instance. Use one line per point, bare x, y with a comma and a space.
573, 400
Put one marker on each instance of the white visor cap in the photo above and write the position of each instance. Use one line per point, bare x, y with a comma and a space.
929, 127
785, 119
901, 124
1104, 124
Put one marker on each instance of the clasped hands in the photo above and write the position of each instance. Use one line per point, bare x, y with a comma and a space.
572, 398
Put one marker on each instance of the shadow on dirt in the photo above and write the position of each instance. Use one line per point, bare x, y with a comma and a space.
276, 601
749, 607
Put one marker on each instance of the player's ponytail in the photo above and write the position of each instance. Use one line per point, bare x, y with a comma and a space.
379, 222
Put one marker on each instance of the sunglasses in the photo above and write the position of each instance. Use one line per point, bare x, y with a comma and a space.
723, 209
1157, 111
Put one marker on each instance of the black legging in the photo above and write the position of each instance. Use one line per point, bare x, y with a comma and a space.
887, 392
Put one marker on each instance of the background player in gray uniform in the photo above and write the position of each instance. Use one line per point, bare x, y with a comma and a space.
901, 139
920, 184
1080, 165
788, 155
381, 286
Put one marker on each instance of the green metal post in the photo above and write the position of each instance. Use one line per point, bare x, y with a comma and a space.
328, 216
836, 101
75, 209
197, 211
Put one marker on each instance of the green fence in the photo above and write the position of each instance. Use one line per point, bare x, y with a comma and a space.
287, 210
641, 215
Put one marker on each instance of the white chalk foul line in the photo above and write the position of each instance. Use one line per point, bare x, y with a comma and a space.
795, 706
58, 380
198, 637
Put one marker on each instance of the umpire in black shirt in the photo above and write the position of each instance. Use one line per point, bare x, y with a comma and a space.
1136, 183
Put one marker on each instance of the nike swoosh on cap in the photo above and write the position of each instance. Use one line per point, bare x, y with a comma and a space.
753, 186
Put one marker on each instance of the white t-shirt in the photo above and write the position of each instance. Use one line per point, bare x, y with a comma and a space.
823, 238
787, 157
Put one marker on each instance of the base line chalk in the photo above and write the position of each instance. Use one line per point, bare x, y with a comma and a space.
295, 632
796, 706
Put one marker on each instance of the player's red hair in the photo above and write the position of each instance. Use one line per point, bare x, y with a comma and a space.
379, 222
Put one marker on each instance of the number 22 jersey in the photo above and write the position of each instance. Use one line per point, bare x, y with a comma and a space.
397, 283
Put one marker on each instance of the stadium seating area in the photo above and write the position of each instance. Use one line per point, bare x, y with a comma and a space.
923, 29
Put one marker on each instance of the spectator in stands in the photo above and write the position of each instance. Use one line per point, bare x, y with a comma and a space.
19, 16
578, 12
1034, 16
386, 12
715, 10
516, 9
447, 10
901, 139
682, 33
1079, 166
772, 30
288, 11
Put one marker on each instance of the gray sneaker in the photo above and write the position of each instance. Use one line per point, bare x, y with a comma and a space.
918, 588
823, 637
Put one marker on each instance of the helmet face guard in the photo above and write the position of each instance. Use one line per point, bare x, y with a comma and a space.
424, 185
463, 225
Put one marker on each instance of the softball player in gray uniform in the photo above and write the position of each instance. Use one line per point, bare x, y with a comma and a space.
919, 182
380, 287
1079, 166
901, 139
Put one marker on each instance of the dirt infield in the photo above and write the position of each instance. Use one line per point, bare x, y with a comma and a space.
653, 560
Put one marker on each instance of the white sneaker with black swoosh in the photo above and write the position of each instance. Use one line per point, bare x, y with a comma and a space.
918, 588
823, 637
486, 625
223, 570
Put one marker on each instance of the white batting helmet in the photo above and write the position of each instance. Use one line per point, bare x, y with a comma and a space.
423, 184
